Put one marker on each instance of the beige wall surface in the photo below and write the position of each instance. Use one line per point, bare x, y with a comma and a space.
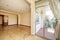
12, 19
25, 19
0, 19
19, 19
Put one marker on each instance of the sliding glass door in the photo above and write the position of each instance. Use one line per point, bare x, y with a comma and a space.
45, 22
50, 24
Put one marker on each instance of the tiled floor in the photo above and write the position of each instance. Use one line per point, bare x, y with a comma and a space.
17, 33
47, 34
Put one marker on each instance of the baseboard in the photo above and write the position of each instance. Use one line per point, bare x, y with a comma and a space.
19, 25
24, 25
12, 25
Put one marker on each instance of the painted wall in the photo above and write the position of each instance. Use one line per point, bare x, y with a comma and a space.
19, 19
12, 19
32, 17
0, 19
25, 19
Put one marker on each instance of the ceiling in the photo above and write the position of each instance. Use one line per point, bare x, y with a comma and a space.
38, 0
41, 3
17, 6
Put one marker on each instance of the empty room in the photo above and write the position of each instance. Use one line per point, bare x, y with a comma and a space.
29, 19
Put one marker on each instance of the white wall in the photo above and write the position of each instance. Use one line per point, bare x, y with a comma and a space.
32, 17
0, 19
12, 19
25, 19
19, 19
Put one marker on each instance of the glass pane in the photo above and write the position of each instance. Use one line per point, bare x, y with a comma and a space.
38, 22
45, 22
50, 24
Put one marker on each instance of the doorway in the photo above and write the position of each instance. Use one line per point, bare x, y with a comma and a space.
45, 22
3, 20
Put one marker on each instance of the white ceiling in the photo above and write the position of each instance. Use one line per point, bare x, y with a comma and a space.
20, 6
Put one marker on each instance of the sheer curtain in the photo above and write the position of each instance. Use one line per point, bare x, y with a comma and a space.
55, 7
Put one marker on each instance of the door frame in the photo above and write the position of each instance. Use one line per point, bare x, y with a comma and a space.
2, 19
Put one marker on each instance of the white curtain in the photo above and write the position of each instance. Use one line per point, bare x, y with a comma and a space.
55, 7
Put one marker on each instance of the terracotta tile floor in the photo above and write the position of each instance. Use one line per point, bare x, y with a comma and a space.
17, 33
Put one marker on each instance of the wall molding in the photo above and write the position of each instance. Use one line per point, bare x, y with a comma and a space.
8, 12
